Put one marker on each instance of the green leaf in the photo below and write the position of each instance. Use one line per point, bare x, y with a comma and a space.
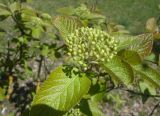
15, 7
59, 93
124, 40
4, 12
148, 74
3, 6
130, 57
94, 108
67, 24
36, 32
146, 87
84, 13
119, 70
143, 45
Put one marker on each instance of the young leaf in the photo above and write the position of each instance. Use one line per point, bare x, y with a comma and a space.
124, 40
119, 70
67, 24
59, 93
143, 46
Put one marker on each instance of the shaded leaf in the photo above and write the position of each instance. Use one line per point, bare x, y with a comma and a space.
130, 57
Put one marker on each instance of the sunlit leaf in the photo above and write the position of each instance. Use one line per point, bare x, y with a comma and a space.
119, 70
143, 46
67, 24
59, 93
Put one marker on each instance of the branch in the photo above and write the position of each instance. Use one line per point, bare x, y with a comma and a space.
139, 93
155, 107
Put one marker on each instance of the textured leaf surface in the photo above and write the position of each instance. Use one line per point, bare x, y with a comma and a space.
119, 70
67, 24
60, 92
124, 40
149, 74
143, 45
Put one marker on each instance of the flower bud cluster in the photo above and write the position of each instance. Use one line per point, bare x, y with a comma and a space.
82, 11
88, 45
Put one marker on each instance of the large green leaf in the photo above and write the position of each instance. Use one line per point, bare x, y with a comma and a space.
59, 93
142, 44
119, 70
146, 73
67, 24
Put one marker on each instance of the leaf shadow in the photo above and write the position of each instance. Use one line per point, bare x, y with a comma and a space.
45, 110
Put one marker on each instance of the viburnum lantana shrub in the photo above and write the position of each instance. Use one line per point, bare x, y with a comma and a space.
91, 45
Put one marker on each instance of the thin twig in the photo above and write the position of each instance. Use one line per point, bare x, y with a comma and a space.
155, 107
141, 94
